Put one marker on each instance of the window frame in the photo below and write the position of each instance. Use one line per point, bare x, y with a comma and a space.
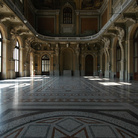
67, 15
45, 62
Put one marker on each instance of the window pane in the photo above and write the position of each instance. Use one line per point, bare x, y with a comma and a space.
17, 54
42, 68
17, 66
17, 44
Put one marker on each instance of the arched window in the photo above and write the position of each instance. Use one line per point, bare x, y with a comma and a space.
0, 52
45, 65
67, 15
16, 57
135, 55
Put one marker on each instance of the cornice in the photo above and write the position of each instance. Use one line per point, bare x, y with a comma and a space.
97, 36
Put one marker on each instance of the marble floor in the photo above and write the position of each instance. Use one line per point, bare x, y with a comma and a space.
68, 107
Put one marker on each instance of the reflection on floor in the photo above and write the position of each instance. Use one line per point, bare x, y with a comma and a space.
68, 107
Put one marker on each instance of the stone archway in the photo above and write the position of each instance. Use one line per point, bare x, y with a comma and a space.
67, 62
131, 43
89, 65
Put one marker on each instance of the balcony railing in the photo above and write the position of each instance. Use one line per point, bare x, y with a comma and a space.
114, 17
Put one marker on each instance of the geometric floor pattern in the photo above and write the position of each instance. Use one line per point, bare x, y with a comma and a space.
68, 107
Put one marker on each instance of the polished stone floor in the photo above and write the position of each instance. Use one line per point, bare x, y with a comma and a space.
68, 107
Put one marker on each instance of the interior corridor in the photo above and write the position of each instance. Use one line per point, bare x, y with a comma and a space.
69, 107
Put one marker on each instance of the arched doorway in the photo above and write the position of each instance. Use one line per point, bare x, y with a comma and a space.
135, 55
67, 62
118, 60
89, 65
45, 65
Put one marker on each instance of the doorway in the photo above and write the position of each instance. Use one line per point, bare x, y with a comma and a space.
45, 65
89, 65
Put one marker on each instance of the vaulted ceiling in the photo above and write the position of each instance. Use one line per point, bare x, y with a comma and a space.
78, 4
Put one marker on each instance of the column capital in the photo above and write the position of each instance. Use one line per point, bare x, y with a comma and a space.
57, 13
77, 12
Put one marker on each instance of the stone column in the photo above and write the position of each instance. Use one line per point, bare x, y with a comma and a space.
21, 62
107, 56
5, 59
51, 65
82, 65
130, 60
77, 23
57, 60
11, 65
77, 51
101, 65
28, 56
121, 39
95, 66
39, 65
31, 64
57, 22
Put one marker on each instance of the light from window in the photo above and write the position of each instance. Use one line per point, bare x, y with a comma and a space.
45, 64
16, 56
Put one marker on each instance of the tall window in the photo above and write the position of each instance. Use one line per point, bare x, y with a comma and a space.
16, 56
0, 52
136, 55
45, 65
67, 15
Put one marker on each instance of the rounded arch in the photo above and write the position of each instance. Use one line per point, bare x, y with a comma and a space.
49, 56
67, 5
132, 30
67, 61
3, 31
131, 35
19, 39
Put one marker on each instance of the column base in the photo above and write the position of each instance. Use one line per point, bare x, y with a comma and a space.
82, 73
95, 73
56, 73
122, 75
106, 74
11, 74
77, 73
51, 73
112, 75
130, 76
